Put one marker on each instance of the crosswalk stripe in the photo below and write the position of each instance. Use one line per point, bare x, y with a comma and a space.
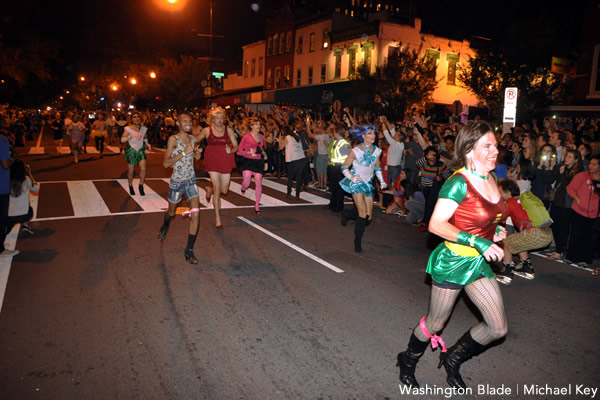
86, 199
36, 150
90, 148
265, 200
91, 199
33, 202
304, 195
152, 201
114, 149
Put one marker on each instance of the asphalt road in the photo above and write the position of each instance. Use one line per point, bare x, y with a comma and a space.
97, 308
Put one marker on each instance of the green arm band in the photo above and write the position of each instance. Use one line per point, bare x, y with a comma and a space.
498, 230
478, 242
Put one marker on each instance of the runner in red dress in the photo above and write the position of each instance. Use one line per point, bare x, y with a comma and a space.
219, 158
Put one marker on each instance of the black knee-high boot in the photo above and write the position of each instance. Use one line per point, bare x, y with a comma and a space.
407, 361
359, 229
162, 232
347, 215
465, 348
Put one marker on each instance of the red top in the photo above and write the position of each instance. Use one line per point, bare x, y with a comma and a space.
518, 214
581, 185
213, 140
478, 216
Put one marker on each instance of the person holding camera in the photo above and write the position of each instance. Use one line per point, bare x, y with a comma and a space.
585, 191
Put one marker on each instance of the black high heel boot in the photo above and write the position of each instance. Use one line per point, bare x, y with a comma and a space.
141, 189
407, 361
131, 191
359, 229
464, 349
190, 256
348, 215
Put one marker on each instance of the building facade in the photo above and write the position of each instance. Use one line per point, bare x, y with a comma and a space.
325, 51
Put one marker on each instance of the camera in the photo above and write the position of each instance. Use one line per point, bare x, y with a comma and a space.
595, 184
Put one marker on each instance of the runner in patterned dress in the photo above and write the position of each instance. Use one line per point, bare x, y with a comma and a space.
180, 154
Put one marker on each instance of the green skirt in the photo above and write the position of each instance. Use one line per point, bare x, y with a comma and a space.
133, 156
446, 266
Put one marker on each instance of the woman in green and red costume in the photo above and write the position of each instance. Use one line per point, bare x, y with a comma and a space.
466, 215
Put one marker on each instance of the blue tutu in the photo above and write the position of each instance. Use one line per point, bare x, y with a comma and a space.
354, 188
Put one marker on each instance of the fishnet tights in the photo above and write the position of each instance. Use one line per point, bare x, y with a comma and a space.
485, 294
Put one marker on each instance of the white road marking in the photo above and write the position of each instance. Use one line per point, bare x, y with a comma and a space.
5, 262
265, 200
150, 202
303, 195
36, 150
86, 199
293, 246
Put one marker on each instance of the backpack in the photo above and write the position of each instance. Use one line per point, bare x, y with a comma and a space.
533, 206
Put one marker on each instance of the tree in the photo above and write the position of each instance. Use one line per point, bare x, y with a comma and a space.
488, 73
180, 81
405, 81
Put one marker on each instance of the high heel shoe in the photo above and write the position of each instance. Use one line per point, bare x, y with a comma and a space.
190, 256
141, 189
220, 226
209, 192
257, 212
131, 191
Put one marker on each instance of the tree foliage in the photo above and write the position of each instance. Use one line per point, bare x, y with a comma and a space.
180, 81
403, 82
488, 74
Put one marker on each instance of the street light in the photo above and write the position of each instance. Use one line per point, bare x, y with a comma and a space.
82, 78
133, 81
152, 75
114, 87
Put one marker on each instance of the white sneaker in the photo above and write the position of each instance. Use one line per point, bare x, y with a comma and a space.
9, 253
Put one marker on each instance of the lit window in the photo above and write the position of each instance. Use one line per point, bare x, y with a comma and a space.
325, 39
452, 61
282, 43
351, 62
595, 75
338, 63
433, 57
269, 77
277, 78
286, 76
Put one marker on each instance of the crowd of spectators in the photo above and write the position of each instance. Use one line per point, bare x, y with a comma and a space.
558, 163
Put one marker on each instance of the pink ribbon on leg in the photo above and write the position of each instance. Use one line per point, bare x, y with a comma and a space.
435, 339
186, 213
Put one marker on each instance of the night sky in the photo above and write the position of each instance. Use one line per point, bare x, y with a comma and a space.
93, 33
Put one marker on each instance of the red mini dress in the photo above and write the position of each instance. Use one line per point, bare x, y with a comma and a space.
216, 159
